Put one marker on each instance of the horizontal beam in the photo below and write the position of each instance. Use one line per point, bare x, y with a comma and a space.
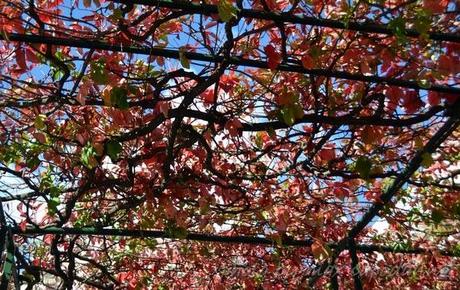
251, 240
208, 9
234, 60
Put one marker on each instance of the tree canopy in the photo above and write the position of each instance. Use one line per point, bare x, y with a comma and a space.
230, 144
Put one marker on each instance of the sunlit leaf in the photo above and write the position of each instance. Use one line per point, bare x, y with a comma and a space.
184, 61
226, 10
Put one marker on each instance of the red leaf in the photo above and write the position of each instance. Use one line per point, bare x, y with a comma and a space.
30, 54
433, 98
164, 108
48, 239
450, 98
318, 5
282, 220
23, 225
274, 58
308, 62
21, 59
387, 59
53, 3
435, 6
121, 277
133, 283
372, 135
341, 192
41, 138
208, 96
395, 95
327, 153
447, 65
233, 126
228, 82
365, 68
411, 102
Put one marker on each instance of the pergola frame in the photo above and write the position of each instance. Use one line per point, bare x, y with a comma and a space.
348, 243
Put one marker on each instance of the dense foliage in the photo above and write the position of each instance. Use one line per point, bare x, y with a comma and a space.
222, 144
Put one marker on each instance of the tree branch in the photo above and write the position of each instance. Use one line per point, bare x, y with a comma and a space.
234, 60
207, 9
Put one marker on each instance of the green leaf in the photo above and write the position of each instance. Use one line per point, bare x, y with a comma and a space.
113, 149
33, 161
119, 98
184, 61
315, 52
117, 14
424, 84
5, 34
287, 116
456, 210
226, 10
55, 191
456, 250
422, 22
8, 263
265, 215
398, 25
427, 159
437, 216
176, 232
259, 140
57, 74
320, 251
298, 111
53, 203
47, 181
363, 166
39, 122
99, 73
87, 157
151, 244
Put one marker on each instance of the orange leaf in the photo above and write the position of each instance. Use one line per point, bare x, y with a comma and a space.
320, 251
368, 136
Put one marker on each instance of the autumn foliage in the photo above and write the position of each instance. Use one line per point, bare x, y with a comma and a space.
227, 144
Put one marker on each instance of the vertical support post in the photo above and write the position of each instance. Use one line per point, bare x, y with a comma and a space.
355, 265
6, 240
334, 278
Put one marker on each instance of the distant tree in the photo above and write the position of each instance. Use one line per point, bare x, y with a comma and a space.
221, 144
